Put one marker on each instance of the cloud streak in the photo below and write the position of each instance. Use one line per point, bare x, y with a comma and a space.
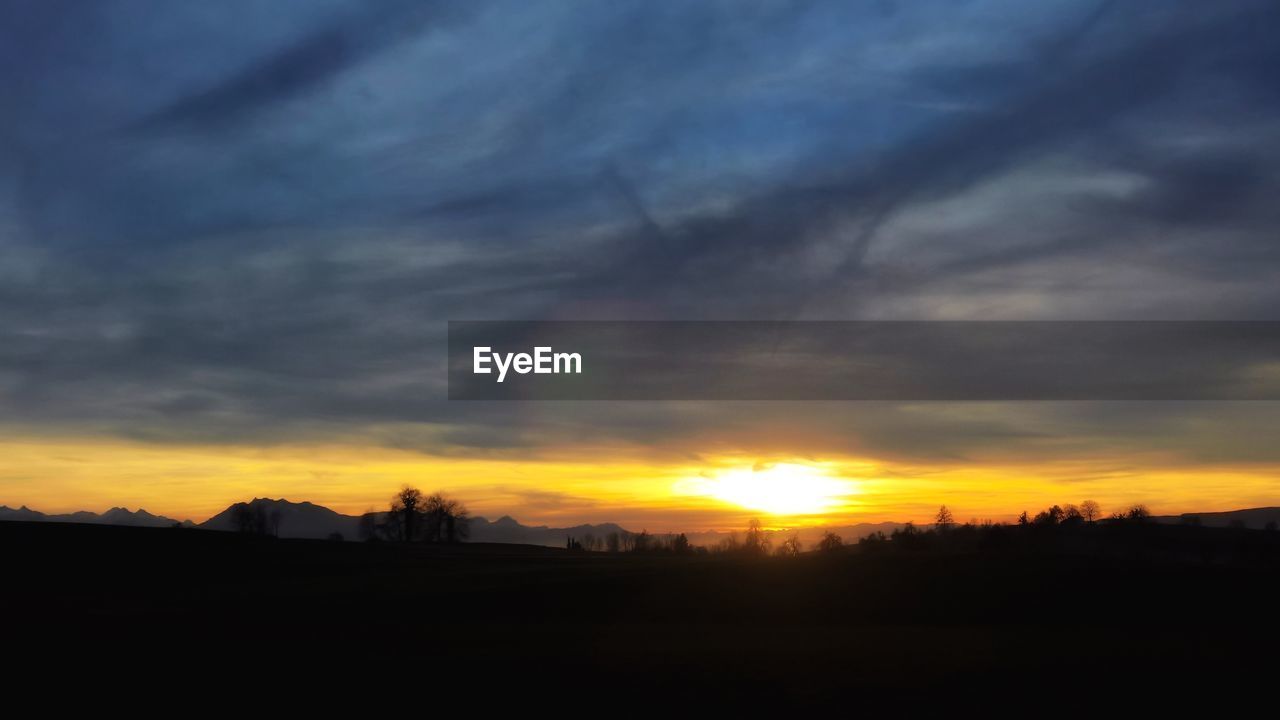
217, 230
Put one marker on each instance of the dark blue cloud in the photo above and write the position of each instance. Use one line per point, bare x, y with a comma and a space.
220, 219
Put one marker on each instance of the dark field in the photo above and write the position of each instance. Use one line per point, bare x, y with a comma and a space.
1154, 606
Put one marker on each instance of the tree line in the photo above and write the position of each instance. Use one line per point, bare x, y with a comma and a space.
754, 542
414, 516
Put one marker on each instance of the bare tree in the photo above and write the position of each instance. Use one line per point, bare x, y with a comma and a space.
249, 518
944, 520
446, 519
1072, 515
1090, 511
613, 542
1134, 513
790, 547
756, 542
830, 542
1052, 516
404, 518
1138, 513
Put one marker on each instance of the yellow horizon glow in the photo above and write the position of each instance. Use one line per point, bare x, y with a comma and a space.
782, 489
62, 474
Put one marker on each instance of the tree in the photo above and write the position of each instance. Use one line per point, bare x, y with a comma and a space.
613, 542
790, 547
944, 519
249, 518
1137, 513
830, 542
1052, 516
1134, 513
1071, 515
756, 542
446, 519
680, 545
404, 518
1090, 511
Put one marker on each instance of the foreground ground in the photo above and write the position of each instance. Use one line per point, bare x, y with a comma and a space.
813, 628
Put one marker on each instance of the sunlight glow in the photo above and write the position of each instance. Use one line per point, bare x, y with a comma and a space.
780, 489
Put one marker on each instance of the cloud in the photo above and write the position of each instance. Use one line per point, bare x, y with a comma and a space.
223, 226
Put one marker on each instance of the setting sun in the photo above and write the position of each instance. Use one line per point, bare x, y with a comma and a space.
780, 489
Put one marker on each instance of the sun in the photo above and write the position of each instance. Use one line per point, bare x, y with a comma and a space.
779, 489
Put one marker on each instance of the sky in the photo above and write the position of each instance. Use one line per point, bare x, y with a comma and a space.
231, 235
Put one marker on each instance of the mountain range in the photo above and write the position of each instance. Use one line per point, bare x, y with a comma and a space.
308, 520
1253, 518
114, 516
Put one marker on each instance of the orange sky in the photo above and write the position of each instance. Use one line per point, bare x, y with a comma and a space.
196, 481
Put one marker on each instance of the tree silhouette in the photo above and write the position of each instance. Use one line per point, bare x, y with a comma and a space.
446, 519
1090, 511
756, 542
1071, 515
1134, 513
944, 519
1051, 516
249, 518
790, 547
830, 542
404, 517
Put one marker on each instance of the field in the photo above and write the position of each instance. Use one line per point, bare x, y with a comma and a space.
805, 629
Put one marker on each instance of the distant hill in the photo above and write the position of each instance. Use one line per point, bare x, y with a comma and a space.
507, 530
308, 520
1252, 518
114, 516
295, 520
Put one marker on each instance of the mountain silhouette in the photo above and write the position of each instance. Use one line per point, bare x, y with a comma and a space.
295, 519
1252, 518
306, 520
114, 516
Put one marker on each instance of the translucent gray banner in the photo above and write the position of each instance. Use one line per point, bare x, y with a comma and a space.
864, 360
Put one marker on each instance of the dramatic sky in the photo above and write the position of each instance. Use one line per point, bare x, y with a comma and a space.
231, 234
